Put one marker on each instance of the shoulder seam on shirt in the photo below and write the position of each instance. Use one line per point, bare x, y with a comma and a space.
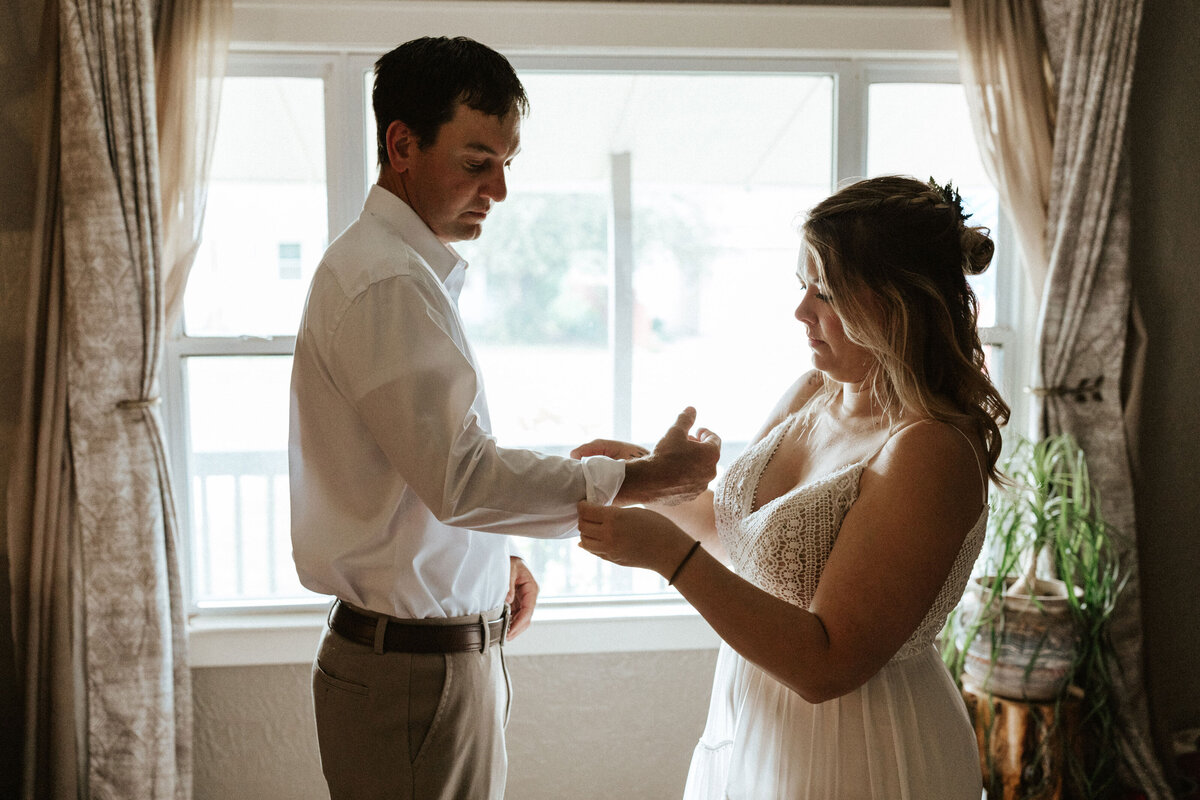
351, 301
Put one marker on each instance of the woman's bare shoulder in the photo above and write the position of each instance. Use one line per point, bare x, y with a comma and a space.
932, 451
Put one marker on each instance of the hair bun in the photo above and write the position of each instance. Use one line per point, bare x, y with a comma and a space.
977, 249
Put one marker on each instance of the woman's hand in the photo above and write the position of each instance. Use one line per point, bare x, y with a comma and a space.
632, 537
622, 451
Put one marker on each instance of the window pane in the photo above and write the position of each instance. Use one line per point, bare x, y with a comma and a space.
266, 221
716, 199
993, 356
924, 130
536, 305
241, 542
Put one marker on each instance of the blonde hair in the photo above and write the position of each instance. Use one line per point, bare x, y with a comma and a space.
893, 253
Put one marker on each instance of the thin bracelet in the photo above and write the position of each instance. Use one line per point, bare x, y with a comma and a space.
688, 557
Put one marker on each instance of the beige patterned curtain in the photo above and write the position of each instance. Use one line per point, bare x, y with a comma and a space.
1084, 321
98, 612
1086, 310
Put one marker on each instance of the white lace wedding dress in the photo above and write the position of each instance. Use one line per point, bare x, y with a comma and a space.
903, 735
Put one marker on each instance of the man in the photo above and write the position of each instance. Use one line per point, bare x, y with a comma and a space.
398, 489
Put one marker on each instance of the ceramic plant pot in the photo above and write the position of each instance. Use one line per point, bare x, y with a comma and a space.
1025, 651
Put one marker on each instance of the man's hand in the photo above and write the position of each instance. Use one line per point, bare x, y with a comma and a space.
680, 468
522, 596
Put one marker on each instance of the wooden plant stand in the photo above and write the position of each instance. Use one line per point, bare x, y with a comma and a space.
1023, 747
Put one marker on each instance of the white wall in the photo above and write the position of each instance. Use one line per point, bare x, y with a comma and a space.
582, 727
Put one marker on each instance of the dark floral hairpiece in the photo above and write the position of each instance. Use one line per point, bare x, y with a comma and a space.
950, 197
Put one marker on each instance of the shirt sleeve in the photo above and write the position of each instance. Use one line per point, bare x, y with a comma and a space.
401, 358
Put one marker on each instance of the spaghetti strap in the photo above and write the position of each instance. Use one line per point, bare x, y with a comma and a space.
975, 453
971, 444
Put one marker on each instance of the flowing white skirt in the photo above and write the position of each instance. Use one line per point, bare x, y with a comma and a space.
903, 735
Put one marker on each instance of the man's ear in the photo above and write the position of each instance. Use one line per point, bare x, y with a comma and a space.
401, 144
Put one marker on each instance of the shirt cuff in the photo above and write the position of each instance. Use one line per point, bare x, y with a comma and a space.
602, 478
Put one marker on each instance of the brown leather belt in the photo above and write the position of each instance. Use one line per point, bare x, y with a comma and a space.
401, 637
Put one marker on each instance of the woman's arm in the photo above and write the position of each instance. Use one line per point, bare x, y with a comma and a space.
697, 519
894, 550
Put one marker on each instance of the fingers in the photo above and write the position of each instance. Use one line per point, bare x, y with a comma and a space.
685, 420
590, 545
519, 621
596, 447
595, 535
678, 432
591, 512
518, 574
522, 597
592, 528
609, 447
708, 437
521, 613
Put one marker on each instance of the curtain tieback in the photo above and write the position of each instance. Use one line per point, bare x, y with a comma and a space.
134, 405
1086, 389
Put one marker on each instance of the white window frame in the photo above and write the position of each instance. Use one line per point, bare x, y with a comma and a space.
339, 40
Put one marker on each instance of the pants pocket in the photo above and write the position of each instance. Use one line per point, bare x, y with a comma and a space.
429, 680
322, 677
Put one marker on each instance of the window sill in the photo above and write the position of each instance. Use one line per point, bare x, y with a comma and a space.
233, 640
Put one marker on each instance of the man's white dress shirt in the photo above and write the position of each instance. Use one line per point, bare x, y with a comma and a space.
399, 492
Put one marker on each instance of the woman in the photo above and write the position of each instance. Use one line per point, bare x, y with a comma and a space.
851, 523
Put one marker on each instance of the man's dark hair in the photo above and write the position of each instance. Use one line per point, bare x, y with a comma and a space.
421, 83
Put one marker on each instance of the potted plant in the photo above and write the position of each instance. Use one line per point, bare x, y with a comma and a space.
1035, 625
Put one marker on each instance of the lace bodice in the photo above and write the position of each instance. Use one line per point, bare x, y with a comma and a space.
782, 547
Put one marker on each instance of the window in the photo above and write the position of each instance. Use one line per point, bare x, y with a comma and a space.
643, 261
266, 224
290, 265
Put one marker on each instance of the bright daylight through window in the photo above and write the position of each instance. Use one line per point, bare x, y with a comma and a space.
644, 261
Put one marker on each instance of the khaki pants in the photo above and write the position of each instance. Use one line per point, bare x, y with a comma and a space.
411, 726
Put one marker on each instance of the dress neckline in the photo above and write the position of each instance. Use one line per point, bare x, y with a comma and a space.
778, 435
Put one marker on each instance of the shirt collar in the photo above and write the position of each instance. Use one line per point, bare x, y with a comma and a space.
441, 257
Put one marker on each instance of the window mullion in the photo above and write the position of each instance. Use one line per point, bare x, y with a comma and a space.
345, 141
620, 307
176, 415
850, 123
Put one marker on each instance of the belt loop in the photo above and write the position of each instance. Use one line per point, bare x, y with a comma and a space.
380, 629
483, 625
505, 619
